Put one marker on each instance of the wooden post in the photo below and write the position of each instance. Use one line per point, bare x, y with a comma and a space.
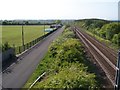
14, 48
44, 27
19, 50
23, 38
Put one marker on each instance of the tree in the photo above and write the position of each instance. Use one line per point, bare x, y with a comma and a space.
99, 23
115, 39
26, 23
88, 22
5, 46
5, 22
58, 21
119, 39
112, 29
103, 32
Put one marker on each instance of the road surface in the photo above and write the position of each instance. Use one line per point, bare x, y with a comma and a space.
18, 73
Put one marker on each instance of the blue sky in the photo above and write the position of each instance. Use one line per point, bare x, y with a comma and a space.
58, 9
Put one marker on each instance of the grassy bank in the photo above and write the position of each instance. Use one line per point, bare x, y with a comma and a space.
106, 42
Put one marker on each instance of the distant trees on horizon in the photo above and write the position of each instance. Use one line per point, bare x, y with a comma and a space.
25, 22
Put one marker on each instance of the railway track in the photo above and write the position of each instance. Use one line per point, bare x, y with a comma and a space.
104, 56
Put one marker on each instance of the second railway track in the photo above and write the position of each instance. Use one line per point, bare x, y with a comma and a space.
104, 56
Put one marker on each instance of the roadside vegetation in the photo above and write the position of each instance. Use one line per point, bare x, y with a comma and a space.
106, 31
65, 65
4, 47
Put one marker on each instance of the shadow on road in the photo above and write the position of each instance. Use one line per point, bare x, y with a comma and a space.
7, 63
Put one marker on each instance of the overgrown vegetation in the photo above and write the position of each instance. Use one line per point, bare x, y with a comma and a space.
105, 29
5, 47
65, 65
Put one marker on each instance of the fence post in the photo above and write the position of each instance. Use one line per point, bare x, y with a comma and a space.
14, 48
27, 46
35, 41
19, 49
32, 42
117, 78
24, 47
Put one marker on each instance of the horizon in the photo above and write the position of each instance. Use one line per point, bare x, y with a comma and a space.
54, 19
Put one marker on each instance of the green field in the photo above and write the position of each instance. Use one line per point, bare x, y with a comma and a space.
12, 34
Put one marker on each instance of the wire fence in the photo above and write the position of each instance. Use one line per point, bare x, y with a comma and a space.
21, 49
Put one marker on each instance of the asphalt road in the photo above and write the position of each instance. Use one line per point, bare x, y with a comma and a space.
18, 73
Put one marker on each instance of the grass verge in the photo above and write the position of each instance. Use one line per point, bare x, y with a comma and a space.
106, 42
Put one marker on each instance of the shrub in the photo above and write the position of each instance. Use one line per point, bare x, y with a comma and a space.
64, 64
73, 76
111, 29
119, 39
5, 46
115, 39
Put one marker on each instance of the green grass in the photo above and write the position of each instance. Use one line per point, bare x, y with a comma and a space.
12, 34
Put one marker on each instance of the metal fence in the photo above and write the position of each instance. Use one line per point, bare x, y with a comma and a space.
21, 49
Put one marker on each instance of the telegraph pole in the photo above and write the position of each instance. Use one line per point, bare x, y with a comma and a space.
117, 79
44, 27
23, 37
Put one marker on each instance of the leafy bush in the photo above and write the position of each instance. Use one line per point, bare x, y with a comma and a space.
119, 39
5, 46
115, 39
74, 76
70, 51
67, 26
111, 29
